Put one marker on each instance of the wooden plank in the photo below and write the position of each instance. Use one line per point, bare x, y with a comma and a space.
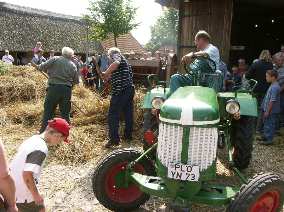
215, 17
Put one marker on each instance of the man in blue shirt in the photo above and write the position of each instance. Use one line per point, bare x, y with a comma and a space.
270, 107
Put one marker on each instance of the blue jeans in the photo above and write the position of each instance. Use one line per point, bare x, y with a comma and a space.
269, 126
121, 103
179, 80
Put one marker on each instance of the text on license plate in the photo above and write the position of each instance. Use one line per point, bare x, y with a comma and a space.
183, 172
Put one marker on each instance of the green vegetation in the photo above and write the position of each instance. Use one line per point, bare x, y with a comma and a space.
111, 17
165, 30
3, 68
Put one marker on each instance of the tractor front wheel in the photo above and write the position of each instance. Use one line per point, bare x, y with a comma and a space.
243, 133
109, 181
263, 193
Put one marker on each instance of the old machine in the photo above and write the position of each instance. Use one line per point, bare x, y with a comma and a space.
182, 133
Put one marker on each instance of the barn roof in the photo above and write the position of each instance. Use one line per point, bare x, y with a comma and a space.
22, 27
126, 43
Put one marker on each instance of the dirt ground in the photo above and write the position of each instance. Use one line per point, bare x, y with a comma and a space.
69, 187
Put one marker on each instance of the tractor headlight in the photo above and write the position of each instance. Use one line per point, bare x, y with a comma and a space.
232, 106
157, 102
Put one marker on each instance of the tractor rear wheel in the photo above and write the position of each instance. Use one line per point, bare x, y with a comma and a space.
109, 184
243, 133
263, 193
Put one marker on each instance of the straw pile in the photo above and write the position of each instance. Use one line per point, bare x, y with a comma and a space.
21, 83
89, 132
22, 91
95, 108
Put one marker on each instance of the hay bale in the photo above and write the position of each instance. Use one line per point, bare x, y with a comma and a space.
93, 106
86, 142
89, 129
4, 121
29, 114
96, 108
21, 83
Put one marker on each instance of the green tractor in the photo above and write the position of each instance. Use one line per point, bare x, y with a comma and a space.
181, 135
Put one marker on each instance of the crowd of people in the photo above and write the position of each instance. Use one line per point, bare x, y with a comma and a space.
18, 183
268, 71
18, 186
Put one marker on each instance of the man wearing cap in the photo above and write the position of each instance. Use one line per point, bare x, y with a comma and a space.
28, 162
62, 76
7, 58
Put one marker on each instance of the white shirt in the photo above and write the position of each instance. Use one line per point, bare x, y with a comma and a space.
8, 59
214, 55
29, 157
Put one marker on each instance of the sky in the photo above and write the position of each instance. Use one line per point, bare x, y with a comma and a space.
147, 12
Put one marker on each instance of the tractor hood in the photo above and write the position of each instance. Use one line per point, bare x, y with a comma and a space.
191, 105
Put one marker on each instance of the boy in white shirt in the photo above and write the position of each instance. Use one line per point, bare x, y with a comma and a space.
27, 164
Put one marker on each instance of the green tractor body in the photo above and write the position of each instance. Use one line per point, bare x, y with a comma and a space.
248, 104
192, 123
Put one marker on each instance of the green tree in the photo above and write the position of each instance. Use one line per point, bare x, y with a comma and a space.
164, 31
111, 17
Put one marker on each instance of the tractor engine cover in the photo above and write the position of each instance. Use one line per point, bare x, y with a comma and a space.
188, 134
191, 106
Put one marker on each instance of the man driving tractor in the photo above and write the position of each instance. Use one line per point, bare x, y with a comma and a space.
204, 50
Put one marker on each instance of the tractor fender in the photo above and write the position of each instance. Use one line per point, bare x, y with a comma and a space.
150, 95
248, 103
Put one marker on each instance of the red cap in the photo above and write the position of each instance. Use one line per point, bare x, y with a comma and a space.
61, 125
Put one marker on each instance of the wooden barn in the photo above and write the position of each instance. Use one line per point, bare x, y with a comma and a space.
22, 27
240, 28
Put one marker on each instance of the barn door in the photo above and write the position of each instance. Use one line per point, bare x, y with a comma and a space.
213, 16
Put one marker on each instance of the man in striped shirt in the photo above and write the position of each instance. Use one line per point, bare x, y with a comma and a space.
120, 74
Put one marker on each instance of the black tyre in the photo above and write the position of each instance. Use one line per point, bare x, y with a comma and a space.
243, 134
105, 187
263, 193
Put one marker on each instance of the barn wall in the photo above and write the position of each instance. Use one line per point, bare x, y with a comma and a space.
213, 16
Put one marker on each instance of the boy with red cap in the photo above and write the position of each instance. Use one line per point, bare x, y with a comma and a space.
28, 162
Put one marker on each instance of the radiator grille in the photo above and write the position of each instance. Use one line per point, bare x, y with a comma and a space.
169, 143
202, 145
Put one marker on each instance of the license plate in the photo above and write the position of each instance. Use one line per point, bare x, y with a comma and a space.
184, 172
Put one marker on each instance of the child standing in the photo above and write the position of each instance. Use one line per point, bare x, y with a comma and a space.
270, 108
